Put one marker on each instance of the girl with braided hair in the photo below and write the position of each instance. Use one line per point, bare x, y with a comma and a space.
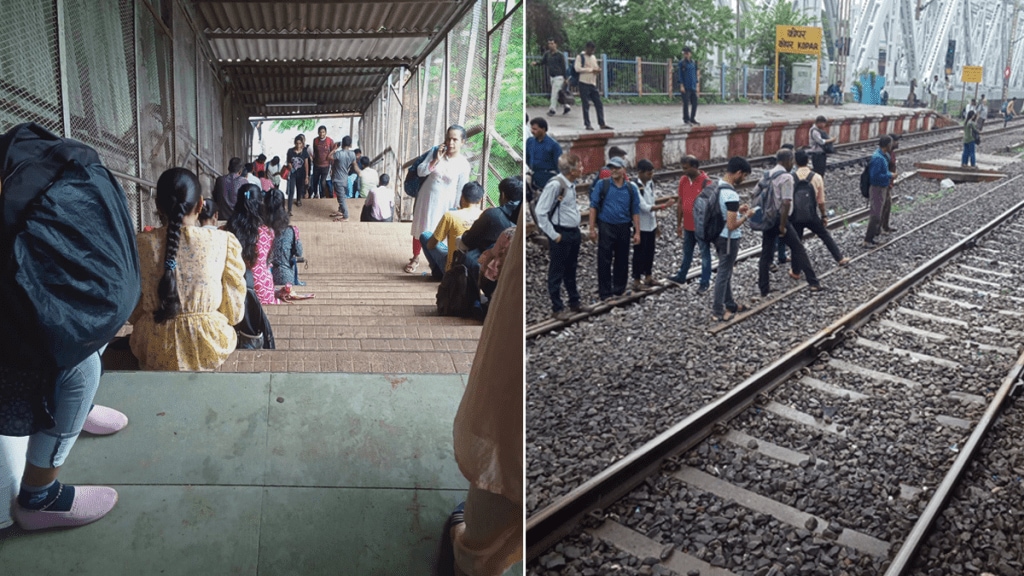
193, 284
256, 238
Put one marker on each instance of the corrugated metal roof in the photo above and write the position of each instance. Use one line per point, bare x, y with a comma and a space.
272, 55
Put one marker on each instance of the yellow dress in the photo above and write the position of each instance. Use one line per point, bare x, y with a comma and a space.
211, 285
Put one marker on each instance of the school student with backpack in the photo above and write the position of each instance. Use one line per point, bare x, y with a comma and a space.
614, 207
558, 217
809, 206
776, 205
731, 216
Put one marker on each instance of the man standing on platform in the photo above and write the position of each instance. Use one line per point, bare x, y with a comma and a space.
688, 78
587, 67
881, 178
614, 206
933, 92
554, 64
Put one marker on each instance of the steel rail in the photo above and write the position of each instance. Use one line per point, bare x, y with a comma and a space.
549, 525
907, 553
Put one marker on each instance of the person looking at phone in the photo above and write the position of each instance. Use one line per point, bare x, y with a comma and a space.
723, 307
446, 174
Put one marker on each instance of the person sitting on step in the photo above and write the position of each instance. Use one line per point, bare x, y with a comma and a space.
440, 247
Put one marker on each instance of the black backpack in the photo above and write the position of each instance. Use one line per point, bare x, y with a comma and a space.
865, 181
572, 74
458, 292
69, 268
805, 201
708, 220
412, 179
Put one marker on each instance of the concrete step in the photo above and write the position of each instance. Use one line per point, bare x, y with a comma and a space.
375, 344
349, 361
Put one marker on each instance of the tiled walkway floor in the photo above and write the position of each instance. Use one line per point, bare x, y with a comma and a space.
283, 474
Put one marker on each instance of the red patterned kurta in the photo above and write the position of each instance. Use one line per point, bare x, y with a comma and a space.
262, 278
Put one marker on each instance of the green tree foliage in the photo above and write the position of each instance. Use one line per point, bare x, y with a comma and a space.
656, 29
296, 125
543, 21
760, 35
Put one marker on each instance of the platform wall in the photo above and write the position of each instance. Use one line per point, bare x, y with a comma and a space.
666, 147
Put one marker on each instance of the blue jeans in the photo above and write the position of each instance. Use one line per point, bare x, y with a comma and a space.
689, 241
437, 257
352, 191
73, 395
342, 207
968, 154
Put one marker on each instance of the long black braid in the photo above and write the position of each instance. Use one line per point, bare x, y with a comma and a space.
177, 193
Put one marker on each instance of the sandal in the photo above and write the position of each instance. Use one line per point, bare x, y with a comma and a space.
817, 288
446, 551
740, 308
412, 265
794, 275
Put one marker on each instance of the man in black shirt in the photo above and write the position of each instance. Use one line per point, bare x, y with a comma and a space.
485, 231
554, 63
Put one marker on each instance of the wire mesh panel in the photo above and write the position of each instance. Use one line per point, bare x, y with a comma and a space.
621, 77
186, 137
468, 82
156, 118
29, 70
505, 156
101, 85
432, 103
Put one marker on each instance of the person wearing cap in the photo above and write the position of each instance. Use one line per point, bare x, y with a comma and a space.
614, 207
587, 67
688, 78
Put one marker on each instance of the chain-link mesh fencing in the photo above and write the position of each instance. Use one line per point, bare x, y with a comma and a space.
473, 79
30, 70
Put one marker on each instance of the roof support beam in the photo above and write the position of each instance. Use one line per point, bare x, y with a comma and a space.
314, 35
384, 63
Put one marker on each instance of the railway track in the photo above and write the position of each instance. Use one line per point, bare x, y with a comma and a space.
823, 457
856, 215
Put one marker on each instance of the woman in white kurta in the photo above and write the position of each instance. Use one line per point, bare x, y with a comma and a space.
445, 175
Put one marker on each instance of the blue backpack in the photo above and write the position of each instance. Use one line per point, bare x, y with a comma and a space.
572, 74
412, 179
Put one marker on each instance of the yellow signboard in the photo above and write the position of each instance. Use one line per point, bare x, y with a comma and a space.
798, 40
971, 74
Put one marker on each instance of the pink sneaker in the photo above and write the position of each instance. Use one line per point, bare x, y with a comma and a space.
103, 421
91, 503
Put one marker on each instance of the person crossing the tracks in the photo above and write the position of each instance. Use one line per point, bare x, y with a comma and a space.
887, 228
817, 221
542, 153
982, 113
558, 217
1011, 111
881, 178
781, 187
688, 77
643, 253
614, 207
819, 140
970, 141
727, 245
691, 183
